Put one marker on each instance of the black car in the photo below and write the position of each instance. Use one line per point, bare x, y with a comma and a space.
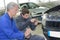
51, 23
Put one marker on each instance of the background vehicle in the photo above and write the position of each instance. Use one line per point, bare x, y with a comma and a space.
35, 10
51, 23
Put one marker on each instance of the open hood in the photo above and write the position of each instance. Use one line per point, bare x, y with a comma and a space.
56, 8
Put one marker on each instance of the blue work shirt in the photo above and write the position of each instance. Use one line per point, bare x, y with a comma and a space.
8, 29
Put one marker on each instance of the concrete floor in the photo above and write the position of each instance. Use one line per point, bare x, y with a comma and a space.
38, 31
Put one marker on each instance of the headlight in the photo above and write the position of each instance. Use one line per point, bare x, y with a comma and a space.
44, 16
33, 14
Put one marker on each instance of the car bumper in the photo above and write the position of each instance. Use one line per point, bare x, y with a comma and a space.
51, 32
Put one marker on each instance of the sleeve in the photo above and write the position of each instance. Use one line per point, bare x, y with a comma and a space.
8, 31
32, 26
21, 24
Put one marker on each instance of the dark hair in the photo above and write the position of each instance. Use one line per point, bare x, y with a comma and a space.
24, 11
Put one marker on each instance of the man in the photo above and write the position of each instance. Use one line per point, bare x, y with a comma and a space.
25, 22
8, 29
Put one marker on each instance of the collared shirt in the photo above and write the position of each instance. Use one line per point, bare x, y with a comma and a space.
8, 29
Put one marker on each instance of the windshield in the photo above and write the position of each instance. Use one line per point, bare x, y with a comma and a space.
33, 5
24, 5
29, 5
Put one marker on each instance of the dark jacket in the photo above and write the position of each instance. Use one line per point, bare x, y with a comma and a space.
8, 29
22, 23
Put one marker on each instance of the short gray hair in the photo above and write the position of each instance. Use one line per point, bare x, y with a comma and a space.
11, 5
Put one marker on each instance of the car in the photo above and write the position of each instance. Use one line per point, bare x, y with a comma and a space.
51, 23
35, 10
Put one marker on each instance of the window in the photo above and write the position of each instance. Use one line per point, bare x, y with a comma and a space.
32, 5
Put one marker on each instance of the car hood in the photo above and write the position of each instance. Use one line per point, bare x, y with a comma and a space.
37, 10
56, 8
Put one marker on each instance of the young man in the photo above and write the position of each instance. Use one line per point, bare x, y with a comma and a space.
24, 22
8, 29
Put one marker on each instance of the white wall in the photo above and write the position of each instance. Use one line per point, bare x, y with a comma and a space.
20, 1
7, 1
1, 4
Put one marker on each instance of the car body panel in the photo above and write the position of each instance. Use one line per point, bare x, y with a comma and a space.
51, 22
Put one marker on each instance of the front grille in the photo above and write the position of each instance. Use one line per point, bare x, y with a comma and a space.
53, 24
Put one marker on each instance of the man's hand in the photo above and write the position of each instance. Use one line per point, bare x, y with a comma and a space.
35, 21
27, 33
